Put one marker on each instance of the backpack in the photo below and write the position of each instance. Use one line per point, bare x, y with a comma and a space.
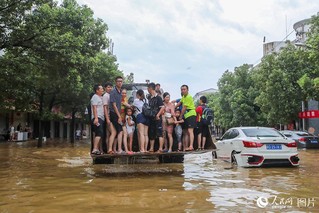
207, 116
148, 111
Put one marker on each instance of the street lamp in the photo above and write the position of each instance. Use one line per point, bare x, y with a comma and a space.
303, 119
300, 44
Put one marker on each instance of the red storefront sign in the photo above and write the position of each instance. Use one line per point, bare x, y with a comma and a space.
309, 114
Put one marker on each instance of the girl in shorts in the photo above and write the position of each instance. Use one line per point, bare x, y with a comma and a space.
141, 120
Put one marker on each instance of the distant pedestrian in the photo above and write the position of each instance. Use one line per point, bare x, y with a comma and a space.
19, 128
78, 134
11, 132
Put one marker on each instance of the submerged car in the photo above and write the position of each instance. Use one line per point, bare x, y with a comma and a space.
303, 139
257, 146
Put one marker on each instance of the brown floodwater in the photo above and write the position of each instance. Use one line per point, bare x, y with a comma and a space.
60, 177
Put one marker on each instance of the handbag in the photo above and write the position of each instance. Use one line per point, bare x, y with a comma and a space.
148, 111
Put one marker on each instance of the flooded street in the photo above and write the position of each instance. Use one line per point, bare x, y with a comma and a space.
60, 177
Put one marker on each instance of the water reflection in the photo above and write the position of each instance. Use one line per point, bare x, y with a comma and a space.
60, 177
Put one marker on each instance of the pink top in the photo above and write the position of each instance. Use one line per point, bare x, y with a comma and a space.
170, 108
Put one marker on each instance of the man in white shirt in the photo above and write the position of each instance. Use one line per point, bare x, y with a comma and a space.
97, 117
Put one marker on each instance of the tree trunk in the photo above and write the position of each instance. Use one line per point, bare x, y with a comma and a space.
72, 126
40, 119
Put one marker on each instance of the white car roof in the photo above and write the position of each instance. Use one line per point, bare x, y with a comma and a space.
252, 127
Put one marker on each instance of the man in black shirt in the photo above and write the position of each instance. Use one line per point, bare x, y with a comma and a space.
155, 128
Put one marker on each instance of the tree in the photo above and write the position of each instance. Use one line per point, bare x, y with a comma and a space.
129, 79
309, 82
61, 63
234, 105
13, 15
276, 79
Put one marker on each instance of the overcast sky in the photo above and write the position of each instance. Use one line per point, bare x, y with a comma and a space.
175, 42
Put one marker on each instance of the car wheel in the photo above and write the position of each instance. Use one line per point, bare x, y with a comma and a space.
214, 154
233, 158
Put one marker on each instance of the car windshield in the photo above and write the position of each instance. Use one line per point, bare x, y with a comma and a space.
261, 133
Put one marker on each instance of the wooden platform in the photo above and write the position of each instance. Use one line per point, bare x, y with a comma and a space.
161, 157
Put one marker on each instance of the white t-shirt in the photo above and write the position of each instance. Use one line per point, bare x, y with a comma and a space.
78, 132
138, 103
97, 101
106, 100
12, 129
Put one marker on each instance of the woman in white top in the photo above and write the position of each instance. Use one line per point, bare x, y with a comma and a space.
141, 121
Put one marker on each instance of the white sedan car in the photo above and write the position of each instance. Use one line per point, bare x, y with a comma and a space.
257, 146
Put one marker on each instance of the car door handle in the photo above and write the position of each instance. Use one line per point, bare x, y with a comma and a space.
231, 142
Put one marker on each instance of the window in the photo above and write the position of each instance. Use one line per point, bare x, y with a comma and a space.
230, 134
234, 133
227, 135
261, 132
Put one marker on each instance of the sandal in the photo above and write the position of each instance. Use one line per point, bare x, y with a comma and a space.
96, 152
189, 149
110, 152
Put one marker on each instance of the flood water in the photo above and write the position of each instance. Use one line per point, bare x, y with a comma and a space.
60, 177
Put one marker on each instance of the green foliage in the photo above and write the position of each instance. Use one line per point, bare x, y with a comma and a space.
309, 81
270, 93
234, 104
53, 55
267, 94
276, 78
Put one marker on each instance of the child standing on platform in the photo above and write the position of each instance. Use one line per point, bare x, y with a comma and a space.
178, 129
130, 127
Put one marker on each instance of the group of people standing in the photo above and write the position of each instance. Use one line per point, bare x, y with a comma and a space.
111, 113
